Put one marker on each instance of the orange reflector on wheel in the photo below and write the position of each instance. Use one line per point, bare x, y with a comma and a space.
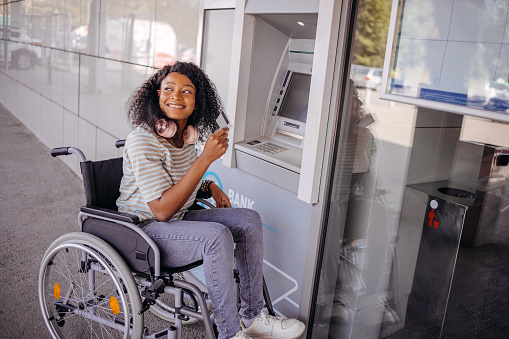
115, 308
56, 291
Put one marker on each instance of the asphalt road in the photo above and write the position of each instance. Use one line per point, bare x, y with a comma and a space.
39, 201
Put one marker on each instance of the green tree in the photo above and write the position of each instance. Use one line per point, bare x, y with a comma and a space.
371, 30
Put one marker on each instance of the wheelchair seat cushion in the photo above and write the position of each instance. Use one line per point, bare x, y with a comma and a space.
131, 246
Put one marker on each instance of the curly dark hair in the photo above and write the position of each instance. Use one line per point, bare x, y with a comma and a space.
143, 106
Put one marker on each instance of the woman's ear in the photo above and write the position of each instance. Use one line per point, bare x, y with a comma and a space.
158, 92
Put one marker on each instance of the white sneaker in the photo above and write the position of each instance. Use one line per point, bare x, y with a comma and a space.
267, 326
241, 335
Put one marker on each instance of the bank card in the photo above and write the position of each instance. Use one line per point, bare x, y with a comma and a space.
223, 121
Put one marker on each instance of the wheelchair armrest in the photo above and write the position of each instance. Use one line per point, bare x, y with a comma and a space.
203, 195
116, 215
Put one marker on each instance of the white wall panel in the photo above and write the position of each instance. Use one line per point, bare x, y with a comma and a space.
73, 9
71, 82
105, 146
11, 71
111, 99
70, 138
23, 94
34, 117
24, 76
216, 53
112, 29
138, 40
56, 71
44, 74
87, 138
90, 17
88, 88
36, 72
52, 123
9, 96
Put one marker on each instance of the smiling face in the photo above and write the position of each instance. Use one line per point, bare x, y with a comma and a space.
177, 97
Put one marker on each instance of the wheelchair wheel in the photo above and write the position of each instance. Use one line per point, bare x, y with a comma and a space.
163, 308
87, 291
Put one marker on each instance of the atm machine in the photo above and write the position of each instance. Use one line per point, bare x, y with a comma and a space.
276, 155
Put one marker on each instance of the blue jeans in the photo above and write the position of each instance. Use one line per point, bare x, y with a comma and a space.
210, 234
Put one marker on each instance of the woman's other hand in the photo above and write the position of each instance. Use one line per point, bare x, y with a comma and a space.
221, 199
216, 145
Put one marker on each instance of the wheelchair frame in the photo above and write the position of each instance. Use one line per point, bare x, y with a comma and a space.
112, 249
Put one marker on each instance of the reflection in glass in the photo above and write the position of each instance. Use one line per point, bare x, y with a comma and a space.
148, 33
179, 19
84, 58
417, 230
449, 53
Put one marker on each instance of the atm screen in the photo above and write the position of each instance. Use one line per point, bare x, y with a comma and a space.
295, 102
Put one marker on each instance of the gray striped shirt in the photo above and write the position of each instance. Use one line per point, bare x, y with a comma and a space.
151, 166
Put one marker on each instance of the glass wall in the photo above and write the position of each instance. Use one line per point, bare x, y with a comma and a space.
416, 233
68, 67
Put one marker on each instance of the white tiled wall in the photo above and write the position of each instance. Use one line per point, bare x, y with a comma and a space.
75, 95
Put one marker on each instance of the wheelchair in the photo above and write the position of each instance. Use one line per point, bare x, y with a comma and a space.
99, 282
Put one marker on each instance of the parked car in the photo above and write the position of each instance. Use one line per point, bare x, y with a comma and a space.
366, 77
22, 55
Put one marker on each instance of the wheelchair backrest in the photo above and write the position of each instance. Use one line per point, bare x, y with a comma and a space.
102, 182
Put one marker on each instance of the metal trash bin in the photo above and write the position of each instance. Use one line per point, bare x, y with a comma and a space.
482, 169
432, 219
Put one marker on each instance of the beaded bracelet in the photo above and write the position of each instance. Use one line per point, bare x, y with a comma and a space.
205, 186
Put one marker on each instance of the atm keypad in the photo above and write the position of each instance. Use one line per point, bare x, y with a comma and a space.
270, 148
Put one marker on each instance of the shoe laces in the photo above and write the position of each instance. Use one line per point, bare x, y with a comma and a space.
267, 318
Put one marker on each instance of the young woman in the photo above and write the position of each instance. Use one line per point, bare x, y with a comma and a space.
177, 106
